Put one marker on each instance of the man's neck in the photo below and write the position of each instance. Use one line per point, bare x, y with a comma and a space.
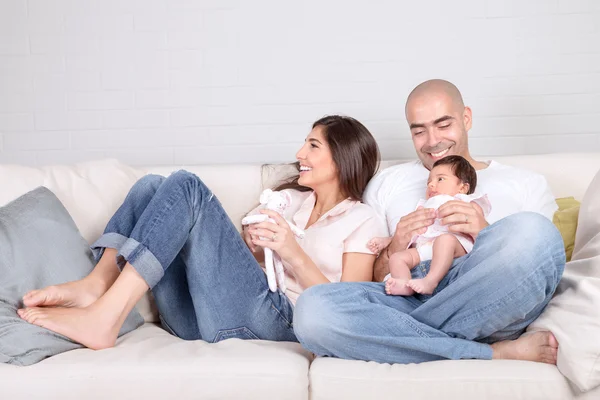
478, 165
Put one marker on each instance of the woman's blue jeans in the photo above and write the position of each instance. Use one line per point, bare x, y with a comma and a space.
205, 281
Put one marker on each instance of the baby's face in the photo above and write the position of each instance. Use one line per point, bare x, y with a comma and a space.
443, 181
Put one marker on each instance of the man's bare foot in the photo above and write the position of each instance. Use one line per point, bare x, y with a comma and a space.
89, 326
80, 294
377, 244
398, 287
537, 346
422, 286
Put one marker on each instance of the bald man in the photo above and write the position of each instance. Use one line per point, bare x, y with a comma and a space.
487, 299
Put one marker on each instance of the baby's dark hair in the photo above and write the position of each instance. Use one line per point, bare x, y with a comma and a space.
462, 169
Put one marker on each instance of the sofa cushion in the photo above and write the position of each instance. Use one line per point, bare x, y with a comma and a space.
41, 246
573, 315
568, 174
332, 378
565, 220
149, 363
90, 191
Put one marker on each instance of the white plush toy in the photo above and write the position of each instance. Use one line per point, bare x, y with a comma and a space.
276, 201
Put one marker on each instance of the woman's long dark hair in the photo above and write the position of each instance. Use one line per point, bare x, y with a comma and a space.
354, 152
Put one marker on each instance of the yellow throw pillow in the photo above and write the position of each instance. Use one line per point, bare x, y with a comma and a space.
565, 219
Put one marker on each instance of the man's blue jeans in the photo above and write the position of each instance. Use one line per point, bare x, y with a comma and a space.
206, 283
490, 294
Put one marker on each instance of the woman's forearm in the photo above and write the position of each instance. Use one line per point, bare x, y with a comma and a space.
307, 272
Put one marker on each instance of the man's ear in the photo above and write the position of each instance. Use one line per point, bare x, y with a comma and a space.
468, 118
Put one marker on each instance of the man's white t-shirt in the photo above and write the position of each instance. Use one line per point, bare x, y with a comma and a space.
395, 191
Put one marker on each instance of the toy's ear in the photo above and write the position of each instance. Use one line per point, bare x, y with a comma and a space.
265, 196
287, 197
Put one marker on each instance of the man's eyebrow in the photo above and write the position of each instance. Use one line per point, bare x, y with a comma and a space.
442, 119
437, 121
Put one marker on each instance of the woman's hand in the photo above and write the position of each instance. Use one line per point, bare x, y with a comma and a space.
278, 237
248, 237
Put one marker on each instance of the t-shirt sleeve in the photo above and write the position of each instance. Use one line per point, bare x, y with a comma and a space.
539, 197
368, 229
374, 195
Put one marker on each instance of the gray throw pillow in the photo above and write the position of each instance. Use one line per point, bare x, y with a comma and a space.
39, 246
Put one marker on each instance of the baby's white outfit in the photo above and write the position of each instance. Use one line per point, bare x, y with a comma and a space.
424, 242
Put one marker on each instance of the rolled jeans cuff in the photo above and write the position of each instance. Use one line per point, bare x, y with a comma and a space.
142, 260
485, 352
109, 240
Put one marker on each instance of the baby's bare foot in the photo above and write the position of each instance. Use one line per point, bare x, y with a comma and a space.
537, 346
80, 293
398, 287
422, 286
377, 244
89, 326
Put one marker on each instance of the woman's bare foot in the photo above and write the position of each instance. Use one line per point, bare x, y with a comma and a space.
537, 346
422, 286
89, 326
398, 287
80, 294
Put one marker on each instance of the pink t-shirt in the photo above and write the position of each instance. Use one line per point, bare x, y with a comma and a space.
346, 228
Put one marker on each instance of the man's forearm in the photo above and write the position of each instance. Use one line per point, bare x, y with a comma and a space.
382, 266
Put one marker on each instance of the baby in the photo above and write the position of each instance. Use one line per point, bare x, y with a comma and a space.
450, 178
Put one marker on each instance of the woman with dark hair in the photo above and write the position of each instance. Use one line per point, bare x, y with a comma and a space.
171, 235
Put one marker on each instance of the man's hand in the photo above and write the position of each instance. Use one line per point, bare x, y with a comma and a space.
462, 217
410, 225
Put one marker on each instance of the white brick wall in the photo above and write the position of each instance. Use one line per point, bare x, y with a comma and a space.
221, 81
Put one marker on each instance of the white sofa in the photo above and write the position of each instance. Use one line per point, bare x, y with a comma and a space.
151, 364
